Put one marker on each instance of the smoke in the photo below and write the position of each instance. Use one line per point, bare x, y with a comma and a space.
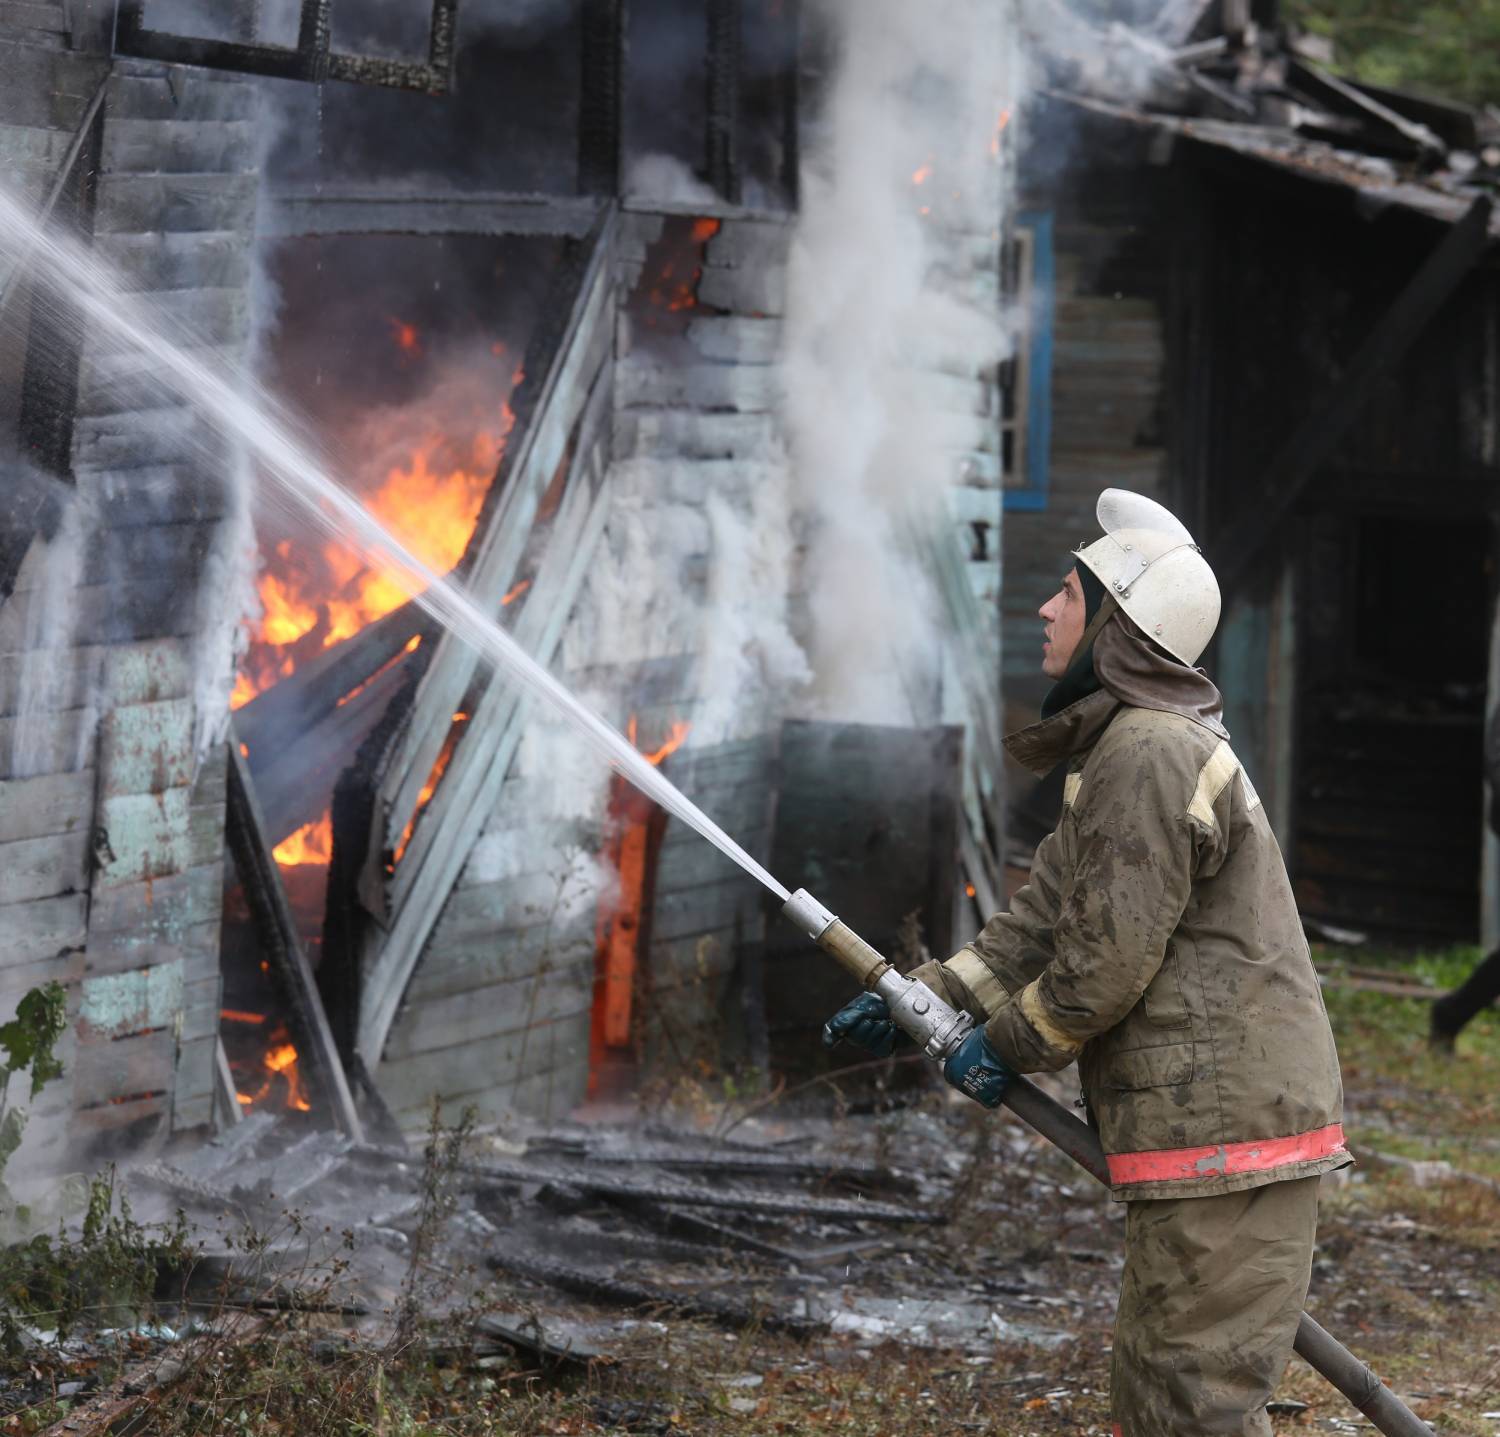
666, 180
892, 332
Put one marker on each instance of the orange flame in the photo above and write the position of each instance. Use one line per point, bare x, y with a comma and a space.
408, 341
279, 1061
922, 174
969, 889
431, 501
1000, 124
675, 740
439, 768
312, 843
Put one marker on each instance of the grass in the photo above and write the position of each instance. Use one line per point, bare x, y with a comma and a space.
1405, 1098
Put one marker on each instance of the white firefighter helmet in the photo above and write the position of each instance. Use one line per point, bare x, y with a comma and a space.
1148, 563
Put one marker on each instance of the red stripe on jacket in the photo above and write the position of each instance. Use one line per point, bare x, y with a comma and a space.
1166, 1165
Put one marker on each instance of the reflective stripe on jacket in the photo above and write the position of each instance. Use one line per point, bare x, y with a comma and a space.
1158, 943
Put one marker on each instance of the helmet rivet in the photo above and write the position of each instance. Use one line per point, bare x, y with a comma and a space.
1158, 628
1119, 586
1127, 548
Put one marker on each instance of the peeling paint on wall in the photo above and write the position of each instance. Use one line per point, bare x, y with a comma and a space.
133, 1002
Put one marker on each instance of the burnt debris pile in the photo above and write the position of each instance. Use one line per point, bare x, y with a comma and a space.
573, 1236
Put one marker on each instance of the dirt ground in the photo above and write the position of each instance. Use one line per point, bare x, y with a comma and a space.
996, 1318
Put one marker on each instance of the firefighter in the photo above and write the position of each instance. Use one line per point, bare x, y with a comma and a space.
1158, 945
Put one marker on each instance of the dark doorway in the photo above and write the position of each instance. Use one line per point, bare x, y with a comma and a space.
1393, 643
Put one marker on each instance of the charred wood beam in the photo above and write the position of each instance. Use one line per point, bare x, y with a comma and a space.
1293, 466
311, 59
683, 1194
295, 771
290, 215
724, 54
601, 108
601, 1287
1343, 98
737, 1161
309, 694
245, 833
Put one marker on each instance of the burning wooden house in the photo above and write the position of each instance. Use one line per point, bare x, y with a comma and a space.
347, 869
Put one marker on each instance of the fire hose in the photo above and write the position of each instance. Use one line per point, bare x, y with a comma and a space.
938, 1029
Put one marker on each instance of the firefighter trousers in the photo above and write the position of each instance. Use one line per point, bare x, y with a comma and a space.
1210, 1299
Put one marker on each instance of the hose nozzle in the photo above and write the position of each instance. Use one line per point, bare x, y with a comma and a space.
836, 938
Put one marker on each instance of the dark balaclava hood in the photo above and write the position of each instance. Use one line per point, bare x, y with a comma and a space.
1080, 680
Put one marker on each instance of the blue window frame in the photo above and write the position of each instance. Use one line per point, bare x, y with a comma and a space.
1026, 423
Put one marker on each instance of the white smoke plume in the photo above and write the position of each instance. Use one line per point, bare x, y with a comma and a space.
893, 329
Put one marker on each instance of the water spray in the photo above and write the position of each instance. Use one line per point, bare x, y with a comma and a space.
240, 407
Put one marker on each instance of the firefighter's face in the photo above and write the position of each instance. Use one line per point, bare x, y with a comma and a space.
1063, 616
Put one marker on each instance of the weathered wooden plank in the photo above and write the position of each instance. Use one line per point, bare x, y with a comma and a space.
487, 1066
50, 743
181, 94
483, 971
129, 1067
126, 950
744, 389
464, 1018
694, 865
755, 292
141, 146
539, 631
728, 339
151, 495
162, 437
749, 244
691, 911
674, 434
33, 868
72, 676
42, 807
146, 748
579, 377
144, 836
39, 930
145, 673
25, 147
114, 1004
139, 204
549, 1091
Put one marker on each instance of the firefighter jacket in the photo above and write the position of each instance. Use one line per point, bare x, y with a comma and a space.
1159, 944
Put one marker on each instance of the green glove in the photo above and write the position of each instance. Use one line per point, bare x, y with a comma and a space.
865, 1022
977, 1070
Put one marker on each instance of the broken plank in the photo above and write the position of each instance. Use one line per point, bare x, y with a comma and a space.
469, 801
578, 374
266, 895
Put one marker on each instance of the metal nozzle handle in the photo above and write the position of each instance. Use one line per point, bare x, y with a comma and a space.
854, 955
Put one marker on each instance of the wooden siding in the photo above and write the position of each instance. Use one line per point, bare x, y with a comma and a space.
113, 830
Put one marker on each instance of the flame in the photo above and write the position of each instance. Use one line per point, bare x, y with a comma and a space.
675, 740
969, 889
312, 843
279, 1061
922, 173
408, 341
674, 290
234, 1015
439, 768
431, 500
434, 514
515, 592
1000, 124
